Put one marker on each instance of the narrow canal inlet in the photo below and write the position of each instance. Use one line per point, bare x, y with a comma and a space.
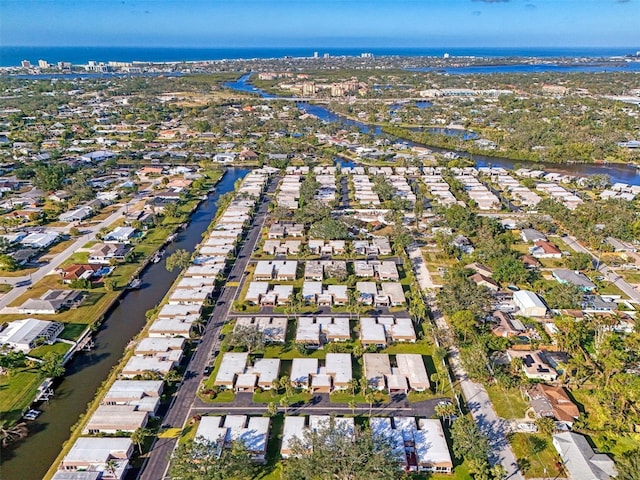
31, 458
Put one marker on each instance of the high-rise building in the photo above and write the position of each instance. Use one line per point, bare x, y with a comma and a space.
326, 55
25, 64
315, 55
43, 64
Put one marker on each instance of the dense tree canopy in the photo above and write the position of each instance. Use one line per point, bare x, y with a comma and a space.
206, 460
334, 452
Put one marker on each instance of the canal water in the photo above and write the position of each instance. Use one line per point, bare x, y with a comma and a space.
617, 172
30, 459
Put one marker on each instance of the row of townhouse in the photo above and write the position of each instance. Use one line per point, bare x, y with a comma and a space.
419, 445
316, 331
130, 403
393, 374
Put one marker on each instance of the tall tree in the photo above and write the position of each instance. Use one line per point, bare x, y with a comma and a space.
468, 441
203, 459
333, 451
247, 336
179, 259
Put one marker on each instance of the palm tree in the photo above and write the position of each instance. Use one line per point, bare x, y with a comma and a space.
138, 437
13, 433
353, 405
446, 410
370, 397
111, 466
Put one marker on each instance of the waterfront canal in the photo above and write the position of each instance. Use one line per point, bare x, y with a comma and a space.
30, 459
617, 172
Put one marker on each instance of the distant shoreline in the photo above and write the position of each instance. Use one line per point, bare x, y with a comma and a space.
11, 56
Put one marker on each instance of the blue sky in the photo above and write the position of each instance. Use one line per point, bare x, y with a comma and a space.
308, 23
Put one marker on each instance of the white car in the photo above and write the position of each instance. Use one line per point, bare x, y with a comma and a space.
528, 427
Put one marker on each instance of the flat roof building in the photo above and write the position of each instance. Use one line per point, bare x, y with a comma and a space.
316, 331
419, 446
111, 419
172, 327
234, 373
334, 373
253, 432
99, 455
409, 373
294, 427
142, 394
529, 304
379, 331
274, 329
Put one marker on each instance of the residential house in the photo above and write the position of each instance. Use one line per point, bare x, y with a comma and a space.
143, 394
534, 365
530, 235
23, 335
234, 373
544, 249
40, 240
51, 302
507, 325
76, 215
112, 419
408, 374
483, 281
580, 459
276, 269
75, 272
579, 279
105, 253
554, 402
480, 268
316, 331
120, 235
379, 331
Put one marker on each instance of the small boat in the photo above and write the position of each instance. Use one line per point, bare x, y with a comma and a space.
135, 284
158, 256
172, 238
31, 414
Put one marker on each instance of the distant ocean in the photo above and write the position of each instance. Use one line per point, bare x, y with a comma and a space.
12, 56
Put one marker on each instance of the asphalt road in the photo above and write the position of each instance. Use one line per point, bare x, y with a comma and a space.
157, 463
55, 262
607, 273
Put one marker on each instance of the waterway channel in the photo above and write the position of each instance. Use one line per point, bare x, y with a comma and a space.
617, 172
32, 457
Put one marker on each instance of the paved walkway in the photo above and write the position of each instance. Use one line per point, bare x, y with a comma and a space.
474, 393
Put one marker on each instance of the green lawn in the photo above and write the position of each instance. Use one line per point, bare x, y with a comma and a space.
345, 397
508, 403
269, 396
18, 390
536, 454
631, 277
59, 347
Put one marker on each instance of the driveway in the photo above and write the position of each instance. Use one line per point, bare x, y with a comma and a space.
56, 261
